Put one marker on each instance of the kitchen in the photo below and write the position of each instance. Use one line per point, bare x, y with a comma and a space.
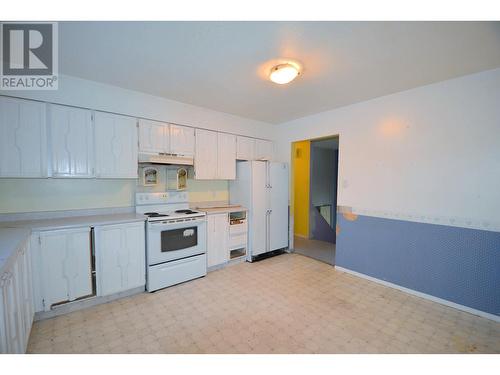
82, 260
153, 201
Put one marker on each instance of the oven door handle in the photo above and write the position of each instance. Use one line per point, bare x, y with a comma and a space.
161, 224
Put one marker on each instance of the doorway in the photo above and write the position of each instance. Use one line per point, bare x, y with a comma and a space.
315, 174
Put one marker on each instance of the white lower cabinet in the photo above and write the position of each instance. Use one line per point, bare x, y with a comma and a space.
120, 257
65, 270
217, 239
16, 307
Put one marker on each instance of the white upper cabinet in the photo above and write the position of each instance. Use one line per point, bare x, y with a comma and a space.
71, 141
245, 148
181, 140
115, 146
205, 160
263, 150
153, 137
157, 137
215, 157
23, 139
226, 156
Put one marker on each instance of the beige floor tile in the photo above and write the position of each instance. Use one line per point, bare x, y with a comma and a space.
285, 304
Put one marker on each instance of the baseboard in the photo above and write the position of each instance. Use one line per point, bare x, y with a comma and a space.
422, 295
83, 304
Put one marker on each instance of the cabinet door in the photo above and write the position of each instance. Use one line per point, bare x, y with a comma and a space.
153, 137
222, 230
135, 242
36, 268
16, 311
245, 148
71, 141
226, 156
26, 280
23, 138
3, 314
217, 237
115, 146
110, 259
120, 257
259, 209
205, 161
13, 317
278, 218
263, 149
65, 265
181, 140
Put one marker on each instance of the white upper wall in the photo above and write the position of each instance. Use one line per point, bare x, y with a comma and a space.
430, 154
94, 95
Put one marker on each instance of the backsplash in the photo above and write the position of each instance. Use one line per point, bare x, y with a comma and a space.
198, 190
52, 194
55, 194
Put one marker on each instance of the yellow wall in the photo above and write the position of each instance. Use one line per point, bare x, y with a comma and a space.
301, 165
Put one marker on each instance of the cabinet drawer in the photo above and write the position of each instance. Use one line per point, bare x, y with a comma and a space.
237, 241
175, 272
238, 228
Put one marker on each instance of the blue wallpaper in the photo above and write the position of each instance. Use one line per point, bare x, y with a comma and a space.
460, 265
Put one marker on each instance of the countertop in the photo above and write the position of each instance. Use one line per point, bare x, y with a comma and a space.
222, 209
10, 241
13, 233
73, 221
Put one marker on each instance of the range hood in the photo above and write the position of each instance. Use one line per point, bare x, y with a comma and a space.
165, 159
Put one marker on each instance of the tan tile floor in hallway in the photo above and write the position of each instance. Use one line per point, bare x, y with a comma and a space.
286, 304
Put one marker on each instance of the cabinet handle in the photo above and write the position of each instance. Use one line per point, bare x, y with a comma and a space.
5, 279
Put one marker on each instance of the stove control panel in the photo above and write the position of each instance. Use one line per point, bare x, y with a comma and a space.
161, 198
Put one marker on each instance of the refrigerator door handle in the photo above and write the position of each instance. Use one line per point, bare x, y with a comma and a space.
268, 218
269, 231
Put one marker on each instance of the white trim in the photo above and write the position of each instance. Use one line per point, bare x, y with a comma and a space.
418, 217
423, 295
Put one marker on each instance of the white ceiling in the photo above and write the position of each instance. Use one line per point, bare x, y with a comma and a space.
222, 65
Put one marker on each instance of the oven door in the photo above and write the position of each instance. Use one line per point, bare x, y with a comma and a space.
177, 240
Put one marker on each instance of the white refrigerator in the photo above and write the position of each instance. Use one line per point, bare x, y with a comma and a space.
262, 187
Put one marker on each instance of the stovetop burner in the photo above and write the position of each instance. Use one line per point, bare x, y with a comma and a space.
154, 214
187, 212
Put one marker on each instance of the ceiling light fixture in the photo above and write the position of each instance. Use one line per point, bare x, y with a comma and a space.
284, 73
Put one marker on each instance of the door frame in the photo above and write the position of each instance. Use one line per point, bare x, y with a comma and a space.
292, 181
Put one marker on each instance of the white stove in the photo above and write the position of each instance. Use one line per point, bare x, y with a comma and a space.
176, 239
172, 205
